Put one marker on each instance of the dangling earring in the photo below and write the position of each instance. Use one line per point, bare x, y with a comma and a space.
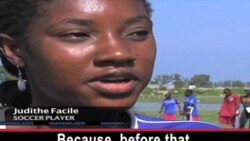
21, 82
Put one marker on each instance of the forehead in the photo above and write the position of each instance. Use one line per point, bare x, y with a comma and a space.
92, 7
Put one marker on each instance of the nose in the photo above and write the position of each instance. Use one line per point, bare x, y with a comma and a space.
114, 51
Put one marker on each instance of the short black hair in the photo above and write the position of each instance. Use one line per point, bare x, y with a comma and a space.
15, 16
227, 90
189, 91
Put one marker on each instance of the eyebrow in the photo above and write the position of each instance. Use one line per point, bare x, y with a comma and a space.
86, 22
137, 19
83, 22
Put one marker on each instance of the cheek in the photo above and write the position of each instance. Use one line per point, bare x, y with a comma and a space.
58, 61
145, 60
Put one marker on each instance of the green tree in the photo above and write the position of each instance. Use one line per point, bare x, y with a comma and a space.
201, 80
234, 83
178, 80
238, 83
163, 79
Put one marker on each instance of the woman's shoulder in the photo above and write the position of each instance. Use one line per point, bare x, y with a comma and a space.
143, 121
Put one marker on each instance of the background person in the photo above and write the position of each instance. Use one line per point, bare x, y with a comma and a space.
230, 108
169, 105
190, 109
245, 114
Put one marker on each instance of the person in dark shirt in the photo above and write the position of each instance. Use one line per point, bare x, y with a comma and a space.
245, 113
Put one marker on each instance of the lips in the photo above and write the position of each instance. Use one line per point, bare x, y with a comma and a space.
114, 84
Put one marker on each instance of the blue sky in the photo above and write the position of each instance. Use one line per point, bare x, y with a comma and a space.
203, 37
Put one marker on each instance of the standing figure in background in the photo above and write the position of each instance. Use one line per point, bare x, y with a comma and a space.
245, 114
169, 107
230, 108
190, 106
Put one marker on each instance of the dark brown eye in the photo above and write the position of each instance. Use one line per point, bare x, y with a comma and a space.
74, 36
138, 35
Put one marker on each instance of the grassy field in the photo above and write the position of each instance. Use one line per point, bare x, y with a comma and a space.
207, 116
204, 96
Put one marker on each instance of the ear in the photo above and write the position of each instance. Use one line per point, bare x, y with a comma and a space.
10, 51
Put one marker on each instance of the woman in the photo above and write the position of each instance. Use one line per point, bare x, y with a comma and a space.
73, 51
95, 53
169, 105
229, 110
190, 106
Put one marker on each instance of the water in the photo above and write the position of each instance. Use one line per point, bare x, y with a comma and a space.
157, 106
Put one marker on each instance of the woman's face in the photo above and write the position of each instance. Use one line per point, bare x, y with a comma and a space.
89, 53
